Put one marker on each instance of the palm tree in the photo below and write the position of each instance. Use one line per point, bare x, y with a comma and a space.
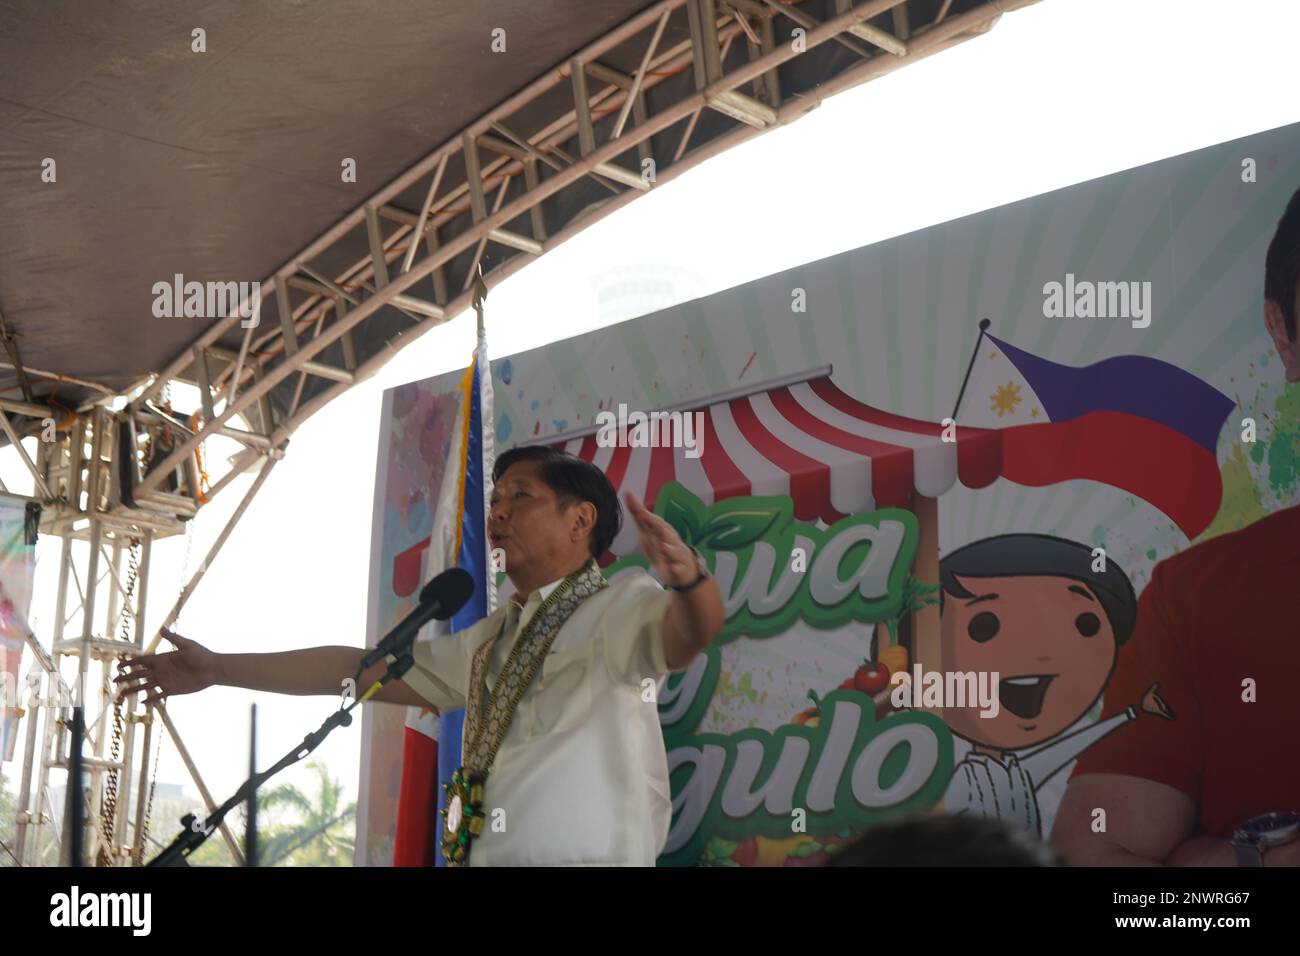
323, 833
317, 830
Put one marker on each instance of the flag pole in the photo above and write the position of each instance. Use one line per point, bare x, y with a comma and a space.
480, 293
984, 326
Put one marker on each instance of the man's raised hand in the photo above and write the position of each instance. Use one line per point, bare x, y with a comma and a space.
671, 558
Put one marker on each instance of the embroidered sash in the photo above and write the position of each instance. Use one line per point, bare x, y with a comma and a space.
487, 722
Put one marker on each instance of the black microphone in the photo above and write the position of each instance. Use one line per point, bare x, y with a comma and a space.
439, 599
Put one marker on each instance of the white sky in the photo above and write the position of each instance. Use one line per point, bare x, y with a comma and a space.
1058, 93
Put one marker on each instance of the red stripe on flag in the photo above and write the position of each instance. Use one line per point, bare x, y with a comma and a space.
415, 841
810, 479
891, 465
407, 568
1157, 463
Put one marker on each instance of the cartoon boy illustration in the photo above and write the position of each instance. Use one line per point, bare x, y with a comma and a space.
1031, 608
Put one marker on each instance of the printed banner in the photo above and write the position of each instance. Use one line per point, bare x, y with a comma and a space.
17, 573
855, 455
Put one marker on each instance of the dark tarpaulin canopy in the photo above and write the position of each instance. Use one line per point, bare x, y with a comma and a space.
220, 165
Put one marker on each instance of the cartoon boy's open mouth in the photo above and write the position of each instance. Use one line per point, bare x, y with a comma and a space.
1024, 696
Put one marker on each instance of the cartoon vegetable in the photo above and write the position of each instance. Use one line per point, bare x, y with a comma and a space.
871, 678
916, 596
746, 853
895, 658
809, 852
775, 852
813, 715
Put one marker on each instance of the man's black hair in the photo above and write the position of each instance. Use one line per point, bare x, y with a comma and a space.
1282, 264
1039, 555
938, 840
572, 479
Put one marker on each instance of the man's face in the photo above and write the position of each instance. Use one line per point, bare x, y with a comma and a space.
525, 521
1051, 644
1287, 345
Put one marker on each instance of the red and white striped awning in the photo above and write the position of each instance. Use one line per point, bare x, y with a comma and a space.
833, 455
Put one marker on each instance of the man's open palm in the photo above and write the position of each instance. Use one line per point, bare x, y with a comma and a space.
189, 668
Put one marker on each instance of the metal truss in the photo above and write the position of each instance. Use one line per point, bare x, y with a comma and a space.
99, 618
504, 181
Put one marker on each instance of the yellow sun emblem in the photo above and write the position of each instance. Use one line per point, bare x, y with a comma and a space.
1005, 399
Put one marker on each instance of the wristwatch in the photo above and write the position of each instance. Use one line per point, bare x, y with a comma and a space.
700, 566
1259, 834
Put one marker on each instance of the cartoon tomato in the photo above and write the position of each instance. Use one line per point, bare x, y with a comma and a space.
746, 854
871, 678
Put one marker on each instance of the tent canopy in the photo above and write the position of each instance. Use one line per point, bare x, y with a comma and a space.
221, 165
146, 140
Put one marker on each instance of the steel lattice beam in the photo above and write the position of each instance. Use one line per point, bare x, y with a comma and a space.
281, 352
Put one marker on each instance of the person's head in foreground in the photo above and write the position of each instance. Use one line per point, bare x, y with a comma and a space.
1282, 288
942, 840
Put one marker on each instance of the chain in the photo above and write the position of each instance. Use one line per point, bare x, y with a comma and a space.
148, 453
185, 565
148, 807
108, 804
132, 576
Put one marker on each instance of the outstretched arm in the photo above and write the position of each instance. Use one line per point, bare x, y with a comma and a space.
311, 670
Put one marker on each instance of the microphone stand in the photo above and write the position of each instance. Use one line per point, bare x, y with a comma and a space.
195, 832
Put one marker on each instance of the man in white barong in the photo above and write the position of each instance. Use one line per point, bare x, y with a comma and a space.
563, 756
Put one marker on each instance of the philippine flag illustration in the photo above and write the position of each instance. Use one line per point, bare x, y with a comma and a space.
1133, 422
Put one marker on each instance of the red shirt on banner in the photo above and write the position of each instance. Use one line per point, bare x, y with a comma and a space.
1218, 629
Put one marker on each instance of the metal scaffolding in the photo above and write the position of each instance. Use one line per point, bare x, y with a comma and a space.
126, 473
100, 617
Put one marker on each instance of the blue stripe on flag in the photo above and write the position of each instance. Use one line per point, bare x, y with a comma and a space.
473, 547
1135, 384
